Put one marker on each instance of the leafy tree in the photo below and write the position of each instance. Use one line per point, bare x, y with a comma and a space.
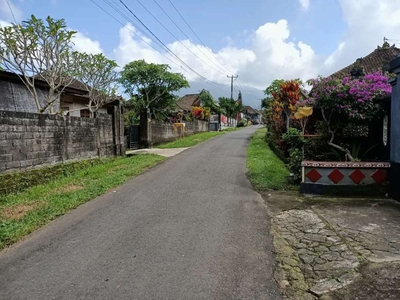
207, 100
151, 86
348, 102
132, 111
38, 50
230, 106
99, 76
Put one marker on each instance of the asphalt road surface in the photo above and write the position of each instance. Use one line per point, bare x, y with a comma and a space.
190, 228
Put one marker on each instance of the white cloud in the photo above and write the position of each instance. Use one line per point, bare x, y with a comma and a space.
4, 23
9, 11
273, 53
82, 43
270, 52
305, 4
134, 46
368, 22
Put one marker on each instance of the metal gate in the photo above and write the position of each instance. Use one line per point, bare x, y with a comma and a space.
134, 137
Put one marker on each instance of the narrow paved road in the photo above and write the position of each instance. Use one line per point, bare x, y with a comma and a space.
190, 228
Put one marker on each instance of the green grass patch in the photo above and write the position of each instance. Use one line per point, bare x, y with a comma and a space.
266, 170
192, 140
232, 129
22, 213
16, 182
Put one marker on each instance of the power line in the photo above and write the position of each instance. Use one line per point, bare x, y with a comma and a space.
165, 46
177, 37
172, 58
133, 32
12, 13
190, 40
130, 20
176, 9
191, 29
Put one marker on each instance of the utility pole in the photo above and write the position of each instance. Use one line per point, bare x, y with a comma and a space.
232, 77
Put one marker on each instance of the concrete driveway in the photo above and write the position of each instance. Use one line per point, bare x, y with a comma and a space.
190, 228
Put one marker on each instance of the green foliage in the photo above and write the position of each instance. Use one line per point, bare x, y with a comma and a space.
17, 182
192, 140
37, 49
270, 140
294, 139
230, 107
132, 111
242, 123
207, 100
60, 195
266, 170
357, 148
99, 76
274, 87
151, 86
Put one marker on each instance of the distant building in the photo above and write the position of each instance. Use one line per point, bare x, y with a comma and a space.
187, 102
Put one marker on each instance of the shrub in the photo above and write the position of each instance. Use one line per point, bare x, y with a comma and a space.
296, 143
242, 123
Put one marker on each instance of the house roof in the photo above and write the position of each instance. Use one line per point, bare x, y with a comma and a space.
188, 101
372, 63
75, 87
249, 110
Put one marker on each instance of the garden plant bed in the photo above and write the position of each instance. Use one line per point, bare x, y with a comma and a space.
345, 178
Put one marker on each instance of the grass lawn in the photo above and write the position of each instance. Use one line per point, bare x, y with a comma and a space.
24, 212
266, 170
192, 140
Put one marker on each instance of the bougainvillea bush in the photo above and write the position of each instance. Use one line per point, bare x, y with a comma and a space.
347, 103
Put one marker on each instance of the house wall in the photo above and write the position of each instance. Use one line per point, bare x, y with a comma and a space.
69, 102
162, 132
395, 131
30, 140
16, 97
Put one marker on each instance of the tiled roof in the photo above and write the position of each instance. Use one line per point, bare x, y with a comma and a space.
372, 63
249, 110
188, 101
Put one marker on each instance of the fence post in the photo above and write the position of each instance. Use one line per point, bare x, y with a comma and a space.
394, 179
146, 140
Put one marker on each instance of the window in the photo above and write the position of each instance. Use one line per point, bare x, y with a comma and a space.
85, 113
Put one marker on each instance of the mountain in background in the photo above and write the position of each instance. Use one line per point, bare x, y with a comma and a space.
250, 96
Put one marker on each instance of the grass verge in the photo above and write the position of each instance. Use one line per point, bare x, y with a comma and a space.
192, 140
266, 170
229, 129
22, 213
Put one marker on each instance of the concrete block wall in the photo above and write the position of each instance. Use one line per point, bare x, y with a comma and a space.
30, 140
162, 132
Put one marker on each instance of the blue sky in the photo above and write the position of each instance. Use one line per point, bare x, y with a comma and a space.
259, 40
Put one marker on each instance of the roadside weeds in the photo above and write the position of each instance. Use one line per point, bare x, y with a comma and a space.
22, 213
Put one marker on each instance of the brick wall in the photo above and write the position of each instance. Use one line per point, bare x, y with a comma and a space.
162, 132
28, 140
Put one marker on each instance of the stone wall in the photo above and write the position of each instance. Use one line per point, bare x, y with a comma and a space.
30, 140
162, 132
